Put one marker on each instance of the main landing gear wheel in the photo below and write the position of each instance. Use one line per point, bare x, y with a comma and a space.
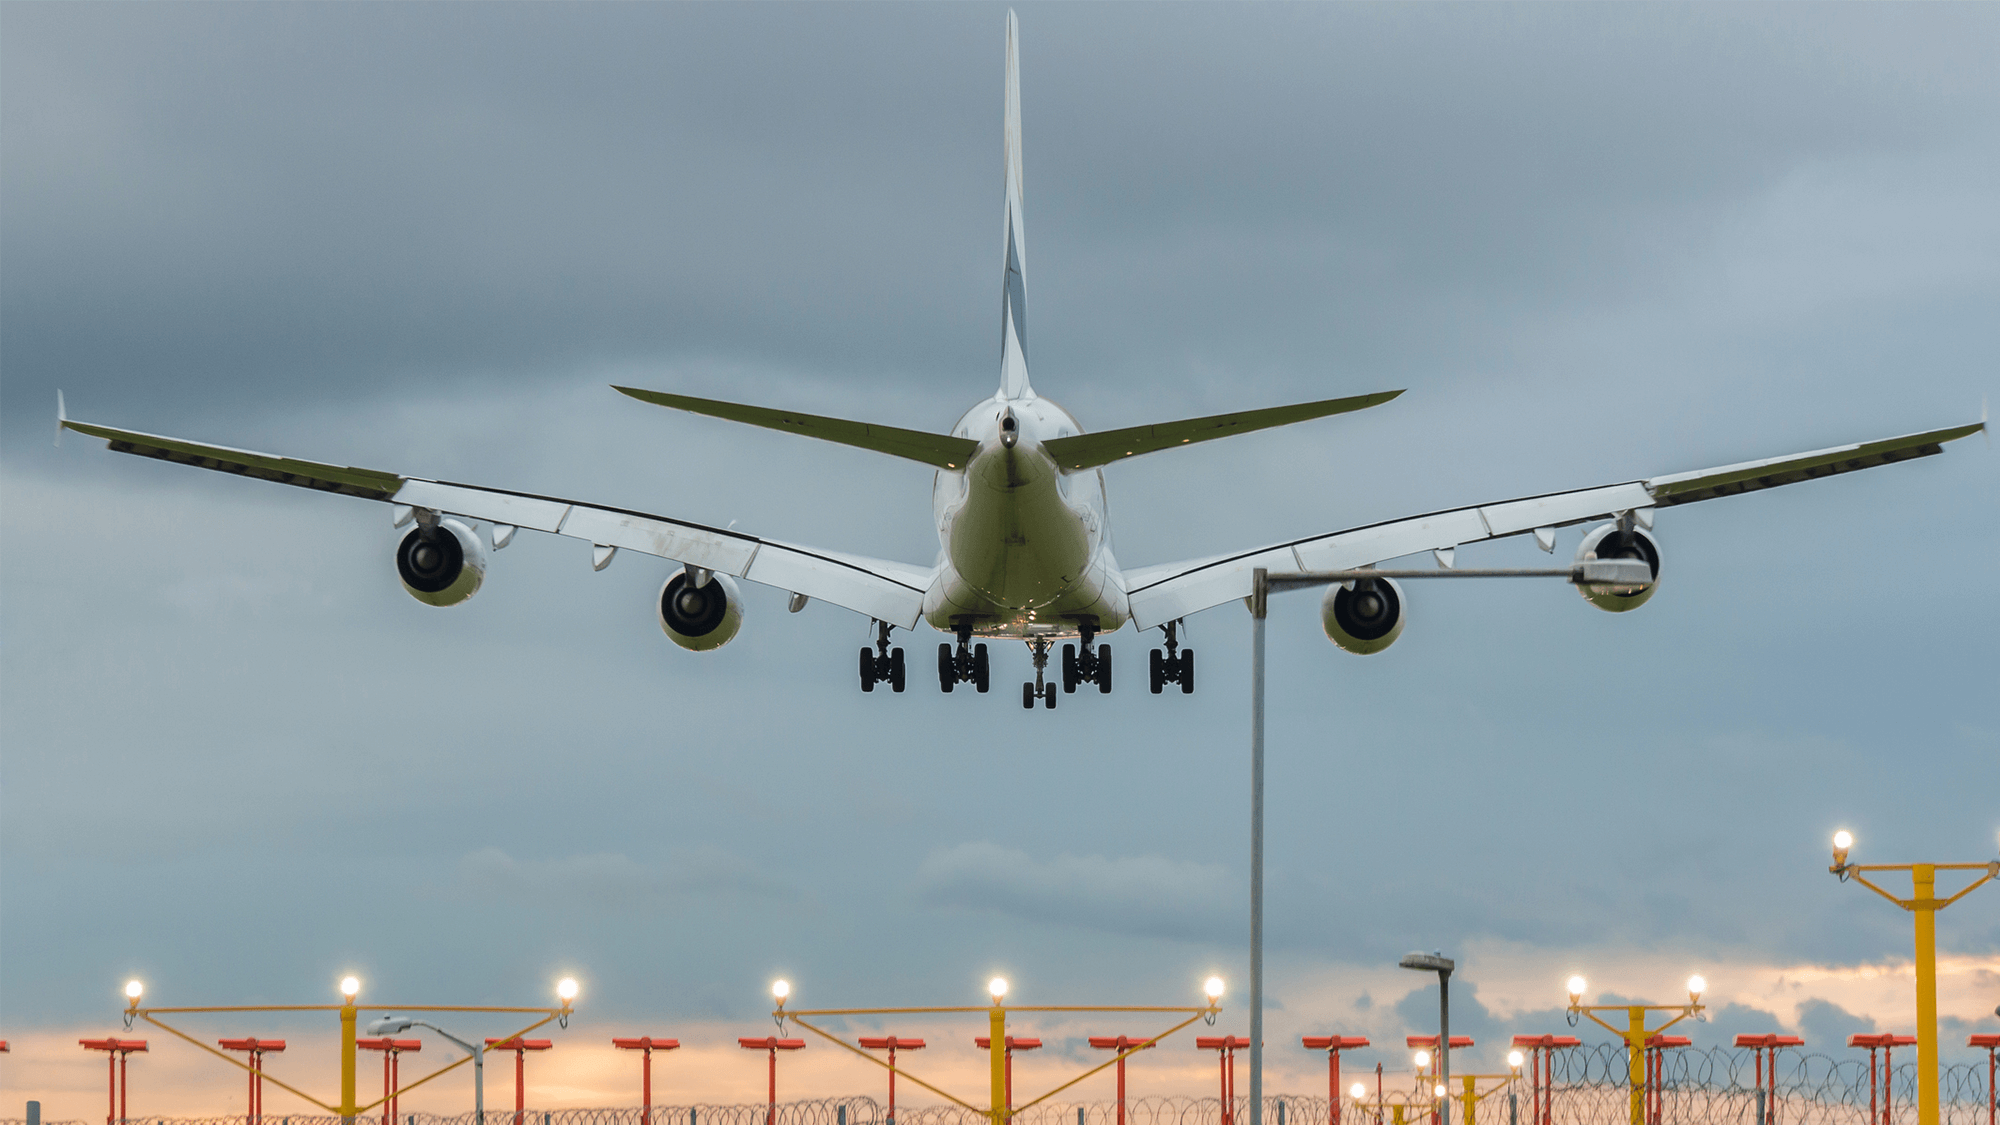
1091, 666
882, 664
967, 664
1174, 666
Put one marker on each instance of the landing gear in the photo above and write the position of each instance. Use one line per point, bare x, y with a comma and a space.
1040, 688
882, 664
966, 665
1175, 666
1091, 666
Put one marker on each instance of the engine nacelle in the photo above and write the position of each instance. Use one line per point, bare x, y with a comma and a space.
1607, 542
1365, 619
700, 618
443, 565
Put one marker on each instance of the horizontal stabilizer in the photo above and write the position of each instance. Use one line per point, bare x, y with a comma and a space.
941, 450
1088, 451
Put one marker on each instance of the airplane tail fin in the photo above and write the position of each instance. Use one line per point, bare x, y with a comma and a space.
1013, 289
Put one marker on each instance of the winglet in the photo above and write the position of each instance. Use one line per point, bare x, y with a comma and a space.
62, 418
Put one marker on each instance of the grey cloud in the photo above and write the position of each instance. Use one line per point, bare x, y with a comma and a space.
612, 879
1149, 895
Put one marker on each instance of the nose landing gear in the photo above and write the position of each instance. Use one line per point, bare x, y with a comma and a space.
1175, 666
1040, 688
966, 665
882, 664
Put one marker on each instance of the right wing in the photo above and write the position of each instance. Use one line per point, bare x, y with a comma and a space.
887, 591
1170, 591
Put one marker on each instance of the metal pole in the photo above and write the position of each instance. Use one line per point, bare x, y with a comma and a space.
1444, 1036
1259, 598
996, 1062
347, 1062
1923, 882
479, 1084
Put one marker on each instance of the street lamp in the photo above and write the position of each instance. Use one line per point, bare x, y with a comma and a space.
1923, 904
396, 1025
1438, 963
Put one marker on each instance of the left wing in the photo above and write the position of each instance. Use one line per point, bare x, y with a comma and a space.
887, 591
1168, 592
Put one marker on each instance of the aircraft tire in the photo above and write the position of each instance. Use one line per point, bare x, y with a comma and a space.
980, 679
1050, 700
1104, 669
1028, 696
1069, 672
1159, 671
896, 669
1187, 671
867, 669
947, 669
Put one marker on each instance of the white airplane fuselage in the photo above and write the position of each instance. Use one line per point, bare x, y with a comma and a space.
1024, 548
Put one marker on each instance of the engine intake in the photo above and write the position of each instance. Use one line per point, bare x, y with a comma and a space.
704, 617
441, 565
1608, 542
1365, 619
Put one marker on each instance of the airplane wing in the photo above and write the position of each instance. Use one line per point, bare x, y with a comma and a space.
887, 591
1168, 592
1089, 451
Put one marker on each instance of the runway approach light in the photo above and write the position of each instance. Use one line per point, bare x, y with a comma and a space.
1842, 840
1576, 986
998, 988
1438, 1089
566, 990
1422, 1059
1515, 1059
350, 987
1357, 1091
779, 990
1696, 986
1213, 987
134, 990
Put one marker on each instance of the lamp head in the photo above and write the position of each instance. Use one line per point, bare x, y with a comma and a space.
1576, 989
1438, 1089
566, 990
780, 989
1357, 1091
350, 987
133, 990
1213, 988
391, 1025
1515, 1059
997, 988
1696, 986
1422, 1059
1842, 840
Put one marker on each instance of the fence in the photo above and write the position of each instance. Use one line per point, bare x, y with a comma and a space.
1590, 1087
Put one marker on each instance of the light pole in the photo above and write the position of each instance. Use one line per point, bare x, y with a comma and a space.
1441, 965
257, 1049
1606, 575
396, 1025
1923, 904
648, 1044
1635, 1033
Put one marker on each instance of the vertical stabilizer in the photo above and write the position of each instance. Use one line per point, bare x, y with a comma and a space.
1014, 285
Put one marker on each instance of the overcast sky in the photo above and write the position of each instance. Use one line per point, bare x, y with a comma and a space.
1595, 243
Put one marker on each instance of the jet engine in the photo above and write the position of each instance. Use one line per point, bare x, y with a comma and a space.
442, 564
1608, 542
701, 617
1367, 618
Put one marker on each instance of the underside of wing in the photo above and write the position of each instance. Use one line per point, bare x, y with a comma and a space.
1170, 591
941, 450
888, 591
1088, 451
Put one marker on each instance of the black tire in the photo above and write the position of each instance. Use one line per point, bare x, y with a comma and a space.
1069, 671
867, 669
1159, 671
1050, 700
947, 669
1104, 669
1187, 671
1028, 696
895, 669
980, 679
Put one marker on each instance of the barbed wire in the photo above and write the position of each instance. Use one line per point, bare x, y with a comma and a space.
1587, 1086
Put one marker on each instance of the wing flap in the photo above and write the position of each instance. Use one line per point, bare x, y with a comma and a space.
941, 450
1750, 476
1088, 451
369, 484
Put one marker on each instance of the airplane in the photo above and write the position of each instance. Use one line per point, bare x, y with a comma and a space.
1018, 499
